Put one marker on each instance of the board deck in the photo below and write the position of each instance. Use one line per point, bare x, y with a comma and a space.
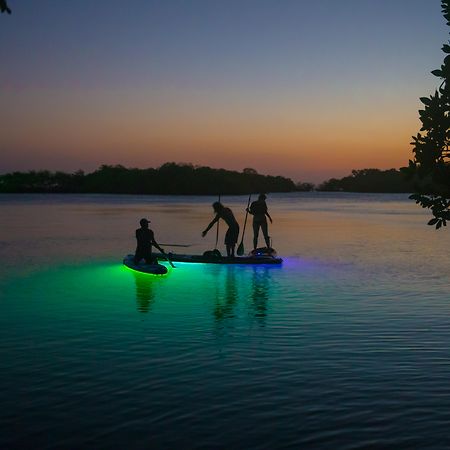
175, 257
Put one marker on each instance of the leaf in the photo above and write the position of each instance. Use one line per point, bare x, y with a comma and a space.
425, 100
433, 221
437, 73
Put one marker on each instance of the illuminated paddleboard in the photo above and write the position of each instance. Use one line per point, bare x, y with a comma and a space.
210, 258
153, 269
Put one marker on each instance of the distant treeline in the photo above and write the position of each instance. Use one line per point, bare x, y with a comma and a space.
370, 180
186, 179
170, 178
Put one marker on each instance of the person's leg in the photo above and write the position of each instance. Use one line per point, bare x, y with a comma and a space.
137, 256
228, 241
235, 238
255, 234
150, 259
265, 233
147, 255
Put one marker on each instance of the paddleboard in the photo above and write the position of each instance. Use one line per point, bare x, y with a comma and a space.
210, 258
154, 269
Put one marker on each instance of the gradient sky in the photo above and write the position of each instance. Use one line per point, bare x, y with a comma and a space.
306, 89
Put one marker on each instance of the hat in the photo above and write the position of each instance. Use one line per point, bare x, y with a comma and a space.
144, 222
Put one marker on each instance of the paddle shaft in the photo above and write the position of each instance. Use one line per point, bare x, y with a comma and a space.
217, 231
177, 245
168, 259
245, 221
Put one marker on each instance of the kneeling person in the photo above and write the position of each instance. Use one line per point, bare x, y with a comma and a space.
145, 239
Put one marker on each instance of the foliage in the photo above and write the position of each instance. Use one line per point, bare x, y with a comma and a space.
4, 7
430, 168
304, 186
369, 180
170, 178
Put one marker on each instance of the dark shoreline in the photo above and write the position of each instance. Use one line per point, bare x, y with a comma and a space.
186, 179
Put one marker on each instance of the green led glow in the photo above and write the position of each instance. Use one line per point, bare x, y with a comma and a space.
103, 289
168, 267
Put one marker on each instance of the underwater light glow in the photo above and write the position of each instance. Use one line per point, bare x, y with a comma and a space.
150, 274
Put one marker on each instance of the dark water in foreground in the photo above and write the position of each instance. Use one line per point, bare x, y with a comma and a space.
346, 346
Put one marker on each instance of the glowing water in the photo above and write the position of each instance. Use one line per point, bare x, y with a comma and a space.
347, 345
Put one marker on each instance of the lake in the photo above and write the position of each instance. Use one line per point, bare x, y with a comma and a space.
345, 346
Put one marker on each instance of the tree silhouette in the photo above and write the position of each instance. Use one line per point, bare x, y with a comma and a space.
4, 7
369, 180
431, 165
170, 178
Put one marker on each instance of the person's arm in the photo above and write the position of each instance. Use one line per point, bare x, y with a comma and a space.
210, 225
157, 246
268, 215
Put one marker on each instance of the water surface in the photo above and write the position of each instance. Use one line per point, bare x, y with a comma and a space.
344, 346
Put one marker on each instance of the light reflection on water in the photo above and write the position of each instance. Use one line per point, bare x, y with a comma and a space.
344, 346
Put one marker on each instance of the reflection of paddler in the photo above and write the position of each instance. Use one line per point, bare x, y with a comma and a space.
260, 291
232, 234
225, 310
144, 292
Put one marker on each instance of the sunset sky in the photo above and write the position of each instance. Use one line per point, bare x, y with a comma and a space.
306, 89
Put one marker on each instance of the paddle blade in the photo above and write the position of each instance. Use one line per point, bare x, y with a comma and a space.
240, 249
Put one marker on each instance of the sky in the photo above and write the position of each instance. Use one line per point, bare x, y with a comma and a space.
305, 89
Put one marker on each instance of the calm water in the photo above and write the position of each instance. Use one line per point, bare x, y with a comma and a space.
346, 346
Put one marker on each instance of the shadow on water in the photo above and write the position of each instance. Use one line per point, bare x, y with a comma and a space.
145, 295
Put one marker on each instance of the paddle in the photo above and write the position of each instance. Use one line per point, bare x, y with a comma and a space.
166, 256
217, 231
168, 260
177, 245
240, 249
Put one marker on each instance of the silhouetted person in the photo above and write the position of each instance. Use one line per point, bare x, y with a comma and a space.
145, 239
258, 209
232, 233
4, 7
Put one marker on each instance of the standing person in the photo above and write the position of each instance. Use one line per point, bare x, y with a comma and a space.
258, 209
145, 239
232, 234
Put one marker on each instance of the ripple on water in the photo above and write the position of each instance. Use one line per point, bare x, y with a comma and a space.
344, 346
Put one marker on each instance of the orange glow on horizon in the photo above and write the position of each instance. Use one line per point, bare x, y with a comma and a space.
281, 138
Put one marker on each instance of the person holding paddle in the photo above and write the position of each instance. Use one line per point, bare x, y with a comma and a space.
258, 209
145, 239
232, 234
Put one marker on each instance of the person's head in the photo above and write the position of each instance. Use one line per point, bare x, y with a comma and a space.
144, 223
217, 206
262, 197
